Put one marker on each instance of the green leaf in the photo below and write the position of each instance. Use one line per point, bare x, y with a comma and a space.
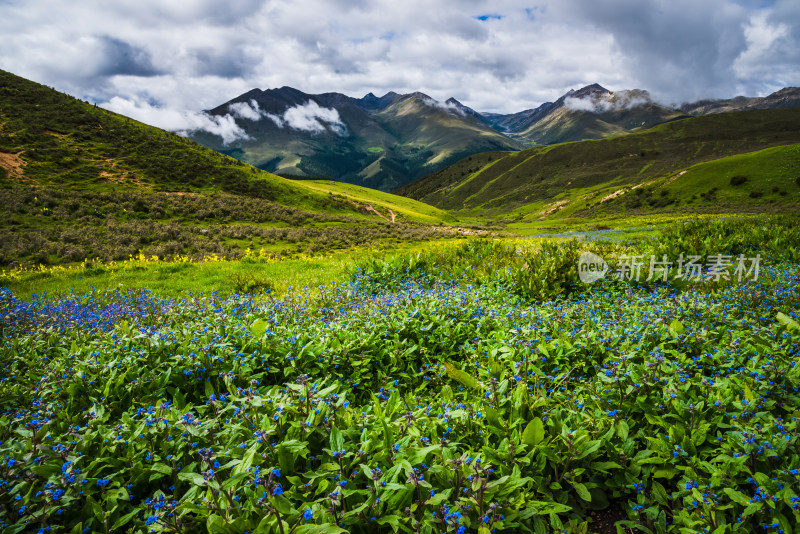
676, 327
751, 509
215, 524
493, 417
622, 429
258, 328
533, 433
659, 493
336, 440
589, 448
555, 522
161, 468
283, 505
388, 436
788, 322
247, 461
661, 523
326, 528
436, 500
233, 480
737, 497
543, 508
583, 493
195, 478
462, 377
417, 456
124, 519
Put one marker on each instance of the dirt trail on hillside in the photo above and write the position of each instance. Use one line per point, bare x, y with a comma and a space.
13, 164
558, 206
379, 214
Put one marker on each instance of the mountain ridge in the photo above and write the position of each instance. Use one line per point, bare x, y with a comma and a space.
390, 141
379, 142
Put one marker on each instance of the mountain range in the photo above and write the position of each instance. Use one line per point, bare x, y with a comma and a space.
390, 141
379, 142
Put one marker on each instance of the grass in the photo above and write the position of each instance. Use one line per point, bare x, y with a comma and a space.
506, 185
297, 273
773, 172
406, 208
47, 226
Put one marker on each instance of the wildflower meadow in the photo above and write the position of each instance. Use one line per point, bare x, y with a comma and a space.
482, 390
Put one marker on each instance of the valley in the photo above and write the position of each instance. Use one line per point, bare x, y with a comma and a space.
193, 343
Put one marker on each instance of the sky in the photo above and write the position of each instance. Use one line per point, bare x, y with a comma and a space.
162, 62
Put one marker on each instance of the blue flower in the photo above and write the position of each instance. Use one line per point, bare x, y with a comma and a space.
308, 515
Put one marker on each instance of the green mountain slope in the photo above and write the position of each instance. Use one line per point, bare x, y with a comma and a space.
592, 112
78, 181
381, 143
571, 178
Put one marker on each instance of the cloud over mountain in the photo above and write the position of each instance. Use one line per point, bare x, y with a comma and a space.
182, 122
311, 117
495, 56
601, 103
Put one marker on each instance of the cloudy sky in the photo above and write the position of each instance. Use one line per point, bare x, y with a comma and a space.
162, 61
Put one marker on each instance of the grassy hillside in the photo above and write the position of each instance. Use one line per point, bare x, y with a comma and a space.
582, 177
78, 181
386, 204
769, 176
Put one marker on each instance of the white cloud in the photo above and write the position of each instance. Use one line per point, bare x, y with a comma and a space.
191, 55
245, 110
604, 102
180, 122
762, 40
311, 117
449, 107
579, 104
279, 122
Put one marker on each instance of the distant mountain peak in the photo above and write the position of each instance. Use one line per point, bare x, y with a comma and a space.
587, 91
371, 102
452, 102
420, 95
